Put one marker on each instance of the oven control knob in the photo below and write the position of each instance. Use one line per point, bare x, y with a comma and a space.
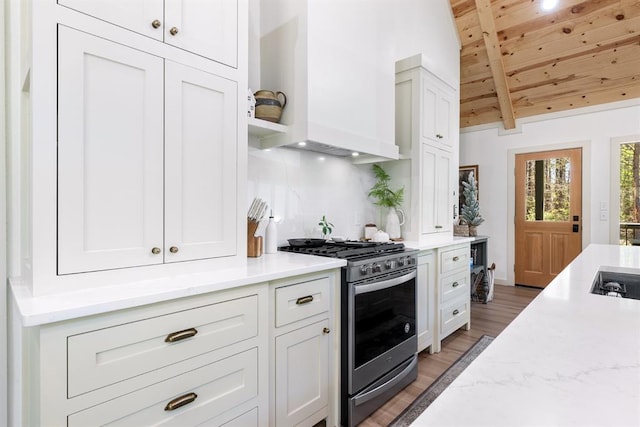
391, 263
400, 262
366, 269
408, 260
377, 268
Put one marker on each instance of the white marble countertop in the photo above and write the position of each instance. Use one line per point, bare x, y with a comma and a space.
453, 240
41, 310
570, 358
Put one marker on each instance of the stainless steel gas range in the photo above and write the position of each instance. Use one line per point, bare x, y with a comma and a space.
378, 317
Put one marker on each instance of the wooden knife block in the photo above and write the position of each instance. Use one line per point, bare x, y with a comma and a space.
254, 244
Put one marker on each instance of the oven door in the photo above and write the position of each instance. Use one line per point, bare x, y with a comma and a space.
382, 327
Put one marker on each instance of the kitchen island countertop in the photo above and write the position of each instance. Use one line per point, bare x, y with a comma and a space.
570, 358
41, 310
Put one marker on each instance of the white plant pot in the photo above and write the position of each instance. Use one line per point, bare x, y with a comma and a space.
395, 218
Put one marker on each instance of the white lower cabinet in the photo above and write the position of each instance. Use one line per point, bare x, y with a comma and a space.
454, 297
197, 361
188, 399
426, 299
258, 355
302, 375
303, 343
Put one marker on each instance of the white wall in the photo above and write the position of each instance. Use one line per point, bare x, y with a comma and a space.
301, 186
591, 128
416, 26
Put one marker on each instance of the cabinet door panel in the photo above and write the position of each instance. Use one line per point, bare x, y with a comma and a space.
134, 15
437, 190
429, 110
200, 167
302, 373
429, 180
208, 28
426, 299
445, 191
109, 154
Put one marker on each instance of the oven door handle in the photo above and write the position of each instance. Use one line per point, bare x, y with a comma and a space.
372, 394
372, 287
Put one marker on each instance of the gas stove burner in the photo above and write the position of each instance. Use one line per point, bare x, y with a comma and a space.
349, 250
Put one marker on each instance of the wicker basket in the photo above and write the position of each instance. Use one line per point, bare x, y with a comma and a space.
461, 230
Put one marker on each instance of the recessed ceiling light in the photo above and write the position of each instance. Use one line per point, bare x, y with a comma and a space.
355, 154
549, 4
321, 158
302, 143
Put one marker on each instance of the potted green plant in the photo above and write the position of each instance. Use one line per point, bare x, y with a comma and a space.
386, 197
470, 212
326, 226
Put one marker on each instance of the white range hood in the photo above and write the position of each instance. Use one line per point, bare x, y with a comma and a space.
336, 67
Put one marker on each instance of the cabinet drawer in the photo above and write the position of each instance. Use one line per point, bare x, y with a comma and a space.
453, 259
102, 357
454, 286
218, 386
248, 419
302, 300
453, 316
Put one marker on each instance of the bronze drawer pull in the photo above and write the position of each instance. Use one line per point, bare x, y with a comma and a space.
180, 335
455, 312
304, 300
454, 284
180, 401
456, 258
438, 226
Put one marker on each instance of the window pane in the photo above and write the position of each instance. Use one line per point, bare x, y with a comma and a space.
629, 193
547, 189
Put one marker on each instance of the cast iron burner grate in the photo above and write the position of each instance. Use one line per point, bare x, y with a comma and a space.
347, 250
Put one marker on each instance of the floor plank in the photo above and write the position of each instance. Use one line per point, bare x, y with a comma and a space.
489, 319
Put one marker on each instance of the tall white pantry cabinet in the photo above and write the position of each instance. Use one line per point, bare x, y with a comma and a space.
136, 159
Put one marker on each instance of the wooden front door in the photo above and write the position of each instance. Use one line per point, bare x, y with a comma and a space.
548, 222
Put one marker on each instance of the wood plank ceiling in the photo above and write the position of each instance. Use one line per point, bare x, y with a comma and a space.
518, 60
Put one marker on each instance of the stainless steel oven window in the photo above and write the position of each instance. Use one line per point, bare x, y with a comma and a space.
379, 338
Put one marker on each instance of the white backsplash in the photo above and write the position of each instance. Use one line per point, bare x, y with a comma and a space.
301, 186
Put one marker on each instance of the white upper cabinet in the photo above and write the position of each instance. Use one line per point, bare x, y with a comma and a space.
200, 144
427, 133
437, 191
110, 154
437, 107
208, 28
146, 158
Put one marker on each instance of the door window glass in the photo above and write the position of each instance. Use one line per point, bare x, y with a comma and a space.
547, 189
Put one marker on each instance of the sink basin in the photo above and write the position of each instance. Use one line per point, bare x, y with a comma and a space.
617, 284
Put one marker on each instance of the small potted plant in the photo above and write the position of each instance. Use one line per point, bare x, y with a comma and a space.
326, 226
470, 212
388, 198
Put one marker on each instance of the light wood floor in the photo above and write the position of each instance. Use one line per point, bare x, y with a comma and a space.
490, 319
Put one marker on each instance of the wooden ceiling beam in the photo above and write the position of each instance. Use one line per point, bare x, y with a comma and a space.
488, 25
